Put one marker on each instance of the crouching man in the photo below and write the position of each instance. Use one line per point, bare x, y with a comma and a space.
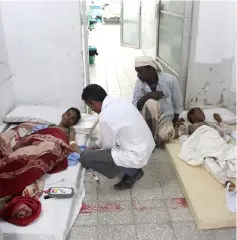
126, 142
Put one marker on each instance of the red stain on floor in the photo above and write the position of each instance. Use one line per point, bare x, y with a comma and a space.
141, 208
88, 208
109, 207
92, 208
113, 207
178, 203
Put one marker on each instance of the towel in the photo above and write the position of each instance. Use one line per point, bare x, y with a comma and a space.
21, 211
74, 157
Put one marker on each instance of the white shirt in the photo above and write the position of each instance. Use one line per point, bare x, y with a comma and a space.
171, 103
123, 129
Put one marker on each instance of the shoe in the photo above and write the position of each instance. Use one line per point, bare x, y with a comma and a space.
127, 182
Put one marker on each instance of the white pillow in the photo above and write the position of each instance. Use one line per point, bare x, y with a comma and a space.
226, 115
49, 115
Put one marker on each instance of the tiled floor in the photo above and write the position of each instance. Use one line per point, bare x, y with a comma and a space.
114, 65
155, 208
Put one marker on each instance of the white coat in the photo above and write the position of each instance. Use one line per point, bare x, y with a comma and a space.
123, 129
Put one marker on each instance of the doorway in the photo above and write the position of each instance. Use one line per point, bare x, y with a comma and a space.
113, 68
131, 23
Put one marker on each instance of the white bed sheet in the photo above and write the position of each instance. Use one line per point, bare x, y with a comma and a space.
58, 215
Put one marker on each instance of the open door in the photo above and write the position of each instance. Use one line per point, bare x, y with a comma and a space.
130, 23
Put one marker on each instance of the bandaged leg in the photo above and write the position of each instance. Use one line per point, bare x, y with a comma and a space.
162, 130
214, 168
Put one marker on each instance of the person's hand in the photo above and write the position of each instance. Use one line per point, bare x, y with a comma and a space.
217, 117
72, 135
92, 148
179, 126
179, 122
232, 186
157, 95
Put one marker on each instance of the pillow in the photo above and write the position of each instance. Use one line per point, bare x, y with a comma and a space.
49, 115
226, 115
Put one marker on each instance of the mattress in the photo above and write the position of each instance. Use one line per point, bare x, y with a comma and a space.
204, 195
58, 215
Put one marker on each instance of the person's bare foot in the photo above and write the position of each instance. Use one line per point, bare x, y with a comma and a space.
232, 186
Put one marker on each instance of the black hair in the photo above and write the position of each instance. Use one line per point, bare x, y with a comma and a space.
93, 92
78, 113
190, 113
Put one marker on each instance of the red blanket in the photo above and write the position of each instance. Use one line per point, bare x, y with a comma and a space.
43, 152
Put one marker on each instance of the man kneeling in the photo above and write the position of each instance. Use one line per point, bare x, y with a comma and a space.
126, 142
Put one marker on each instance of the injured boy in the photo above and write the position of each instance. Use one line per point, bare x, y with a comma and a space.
196, 118
206, 146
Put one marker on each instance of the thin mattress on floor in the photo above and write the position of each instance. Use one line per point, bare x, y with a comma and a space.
58, 215
204, 195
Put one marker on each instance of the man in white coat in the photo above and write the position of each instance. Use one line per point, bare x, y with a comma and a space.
126, 142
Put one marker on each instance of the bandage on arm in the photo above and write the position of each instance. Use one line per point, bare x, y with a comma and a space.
225, 128
216, 171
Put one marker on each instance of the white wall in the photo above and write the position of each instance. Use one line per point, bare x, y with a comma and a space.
149, 27
211, 76
43, 40
7, 97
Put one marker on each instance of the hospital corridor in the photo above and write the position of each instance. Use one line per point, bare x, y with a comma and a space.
54, 58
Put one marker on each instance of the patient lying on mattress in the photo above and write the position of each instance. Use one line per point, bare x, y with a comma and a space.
69, 118
196, 118
206, 146
30, 150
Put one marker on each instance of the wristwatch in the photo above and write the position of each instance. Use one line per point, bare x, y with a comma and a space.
72, 142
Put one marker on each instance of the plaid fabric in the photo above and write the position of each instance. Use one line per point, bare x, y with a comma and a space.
162, 130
